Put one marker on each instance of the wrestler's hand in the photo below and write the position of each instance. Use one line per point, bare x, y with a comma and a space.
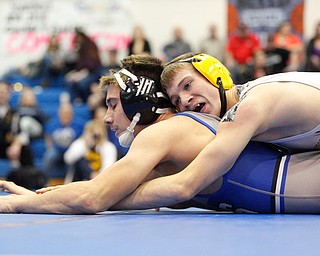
47, 189
12, 188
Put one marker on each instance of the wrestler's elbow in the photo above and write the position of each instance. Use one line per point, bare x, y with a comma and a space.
184, 192
89, 203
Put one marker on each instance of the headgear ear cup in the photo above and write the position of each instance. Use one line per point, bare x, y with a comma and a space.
215, 72
142, 95
212, 69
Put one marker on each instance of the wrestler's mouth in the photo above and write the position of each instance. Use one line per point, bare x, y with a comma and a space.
116, 131
199, 107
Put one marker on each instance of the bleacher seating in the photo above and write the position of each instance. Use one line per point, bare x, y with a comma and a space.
4, 168
48, 101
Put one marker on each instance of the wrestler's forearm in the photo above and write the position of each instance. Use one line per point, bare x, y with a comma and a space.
155, 193
177, 188
71, 199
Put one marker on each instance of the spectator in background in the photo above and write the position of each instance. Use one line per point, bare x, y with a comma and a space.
241, 47
177, 47
267, 61
139, 44
96, 97
6, 115
27, 74
43, 71
277, 58
11, 145
213, 45
15, 132
285, 38
53, 62
313, 52
60, 132
87, 69
90, 154
113, 61
28, 122
257, 68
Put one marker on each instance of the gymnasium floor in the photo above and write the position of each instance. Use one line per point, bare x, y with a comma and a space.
191, 232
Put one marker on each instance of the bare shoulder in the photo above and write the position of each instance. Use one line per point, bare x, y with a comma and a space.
173, 128
174, 135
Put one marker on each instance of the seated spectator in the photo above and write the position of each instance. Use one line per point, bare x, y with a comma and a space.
277, 58
113, 61
240, 50
87, 69
139, 44
60, 132
53, 62
44, 71
91, 153
313, 52
15, 135
27, 124
213, 45
96, 97
176, 47
285, 38
27, 74
258, 68
267, 61
12, 146
6, 115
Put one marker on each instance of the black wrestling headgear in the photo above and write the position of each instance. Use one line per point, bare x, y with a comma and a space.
140, 94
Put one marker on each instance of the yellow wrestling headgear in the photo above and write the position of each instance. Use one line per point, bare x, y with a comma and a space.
212, 69
215, 72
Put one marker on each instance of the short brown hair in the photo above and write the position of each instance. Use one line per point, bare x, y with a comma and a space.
173, 67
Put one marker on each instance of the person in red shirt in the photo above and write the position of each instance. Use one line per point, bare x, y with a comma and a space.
241, 47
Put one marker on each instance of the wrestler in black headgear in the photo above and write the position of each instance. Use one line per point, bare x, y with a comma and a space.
141, 94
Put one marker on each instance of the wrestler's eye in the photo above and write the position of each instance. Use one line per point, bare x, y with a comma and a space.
177, 101
112, 104
113, 107
187, 86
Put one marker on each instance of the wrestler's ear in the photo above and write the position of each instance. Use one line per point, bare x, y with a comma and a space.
212, 69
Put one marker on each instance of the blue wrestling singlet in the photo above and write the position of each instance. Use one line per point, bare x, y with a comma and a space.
254, 181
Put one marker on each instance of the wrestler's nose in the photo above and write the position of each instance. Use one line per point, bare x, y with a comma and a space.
186, 101
108, 118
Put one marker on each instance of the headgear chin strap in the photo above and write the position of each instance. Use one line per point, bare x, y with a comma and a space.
215, 72
126, 137
223, 99
140, 94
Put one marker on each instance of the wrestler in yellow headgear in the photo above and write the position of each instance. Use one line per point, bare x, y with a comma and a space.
215, 72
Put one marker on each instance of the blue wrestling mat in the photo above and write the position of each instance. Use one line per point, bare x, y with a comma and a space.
191, 232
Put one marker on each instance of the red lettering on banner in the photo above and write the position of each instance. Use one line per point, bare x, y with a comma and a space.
25, 42
32, 42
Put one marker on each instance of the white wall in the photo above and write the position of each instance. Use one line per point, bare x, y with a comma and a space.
311, 17
159, 17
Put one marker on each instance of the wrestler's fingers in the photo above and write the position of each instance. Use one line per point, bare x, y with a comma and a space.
46, 189
12, 188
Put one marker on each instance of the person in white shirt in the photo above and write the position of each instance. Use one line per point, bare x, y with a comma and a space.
91, 153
